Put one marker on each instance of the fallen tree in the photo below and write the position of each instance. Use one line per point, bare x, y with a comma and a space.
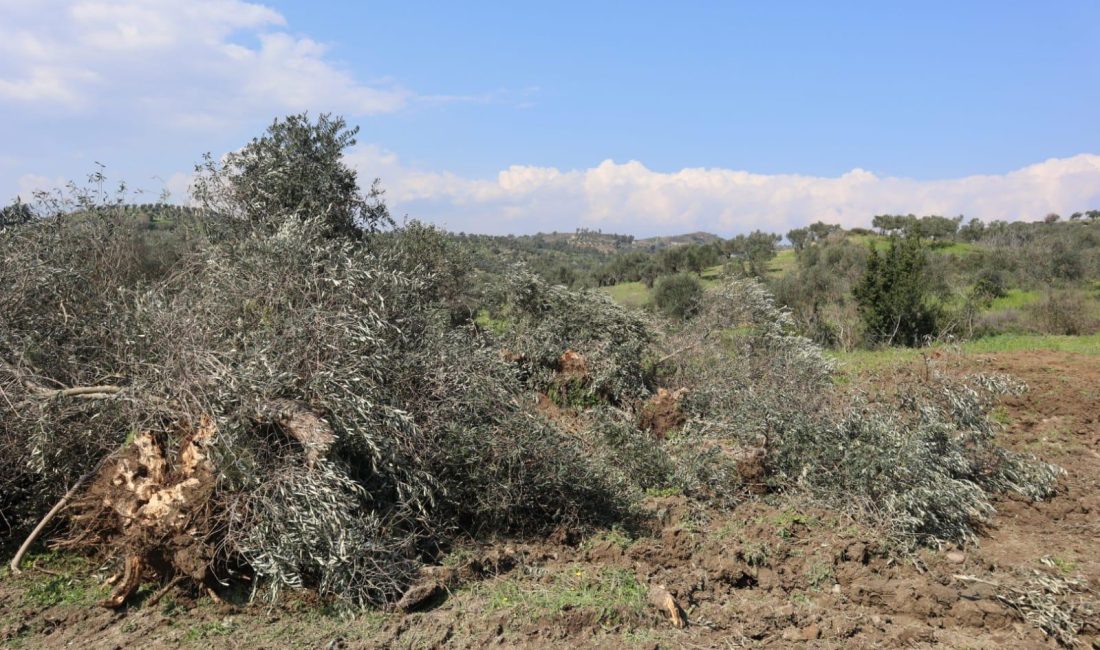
297, 402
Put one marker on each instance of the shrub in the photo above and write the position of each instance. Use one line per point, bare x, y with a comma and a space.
1065, 312
893, 294
989, 285
677, 296
922, 462
548, 320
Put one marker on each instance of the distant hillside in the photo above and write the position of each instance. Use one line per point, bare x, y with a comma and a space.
657, 243
582, 239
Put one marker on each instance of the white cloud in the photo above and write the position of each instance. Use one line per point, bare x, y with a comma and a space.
631, 198
195, 63
29, 184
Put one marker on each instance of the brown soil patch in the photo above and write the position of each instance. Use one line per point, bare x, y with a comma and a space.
662, 413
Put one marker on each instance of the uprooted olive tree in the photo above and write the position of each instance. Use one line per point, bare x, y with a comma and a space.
299, 396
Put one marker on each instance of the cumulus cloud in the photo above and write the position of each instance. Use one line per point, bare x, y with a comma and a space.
629, 197
198, 63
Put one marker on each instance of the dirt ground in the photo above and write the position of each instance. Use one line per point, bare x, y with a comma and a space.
777, 572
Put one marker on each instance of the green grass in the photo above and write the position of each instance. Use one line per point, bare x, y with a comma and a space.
498, 326
958, 248
861, 360
1014, 299
609, 591
1017, 342
629, 294
876, 359
210, 629
66, 583
615, 536
783, 263
712, 273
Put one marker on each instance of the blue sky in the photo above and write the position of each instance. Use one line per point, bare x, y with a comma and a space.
635, 117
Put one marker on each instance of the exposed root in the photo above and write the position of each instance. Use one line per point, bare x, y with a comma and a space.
131, 580
155, 598
155, 508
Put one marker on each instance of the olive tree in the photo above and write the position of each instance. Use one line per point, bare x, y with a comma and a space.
294, 171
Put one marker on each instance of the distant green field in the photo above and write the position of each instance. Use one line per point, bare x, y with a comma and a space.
882, 243
1015, 299
959, 248
713, 273
873, 359
629, 294
1016, 342
783, 263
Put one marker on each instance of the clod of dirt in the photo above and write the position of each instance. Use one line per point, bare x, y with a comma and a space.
752, 467
419, 596
662, 412
573, 365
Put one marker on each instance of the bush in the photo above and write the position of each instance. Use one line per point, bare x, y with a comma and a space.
677, 296
546, 321
1064, 312
989, 285
922, 462
894, 297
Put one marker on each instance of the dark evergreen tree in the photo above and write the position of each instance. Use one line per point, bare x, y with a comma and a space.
893, 294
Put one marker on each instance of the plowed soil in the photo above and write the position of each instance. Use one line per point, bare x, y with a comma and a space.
774, 572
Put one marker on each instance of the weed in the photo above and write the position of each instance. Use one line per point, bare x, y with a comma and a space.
728, 529
1064, 566
210, 629
498, 326
785, 522
615, 536
50, 591
1000, 416
755, 553
819, 574
611, 591
170, 607
671, 491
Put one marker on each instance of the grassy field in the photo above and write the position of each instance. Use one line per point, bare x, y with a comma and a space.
874, 359
629, 294
960, 249
783, 263
1015, 299
636, 294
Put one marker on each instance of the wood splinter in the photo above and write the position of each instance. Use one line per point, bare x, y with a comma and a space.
660, 598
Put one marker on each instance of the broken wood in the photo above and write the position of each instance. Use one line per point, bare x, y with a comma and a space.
155, 598
131, 580
18, 559
83, 392
300, 423
660, 598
